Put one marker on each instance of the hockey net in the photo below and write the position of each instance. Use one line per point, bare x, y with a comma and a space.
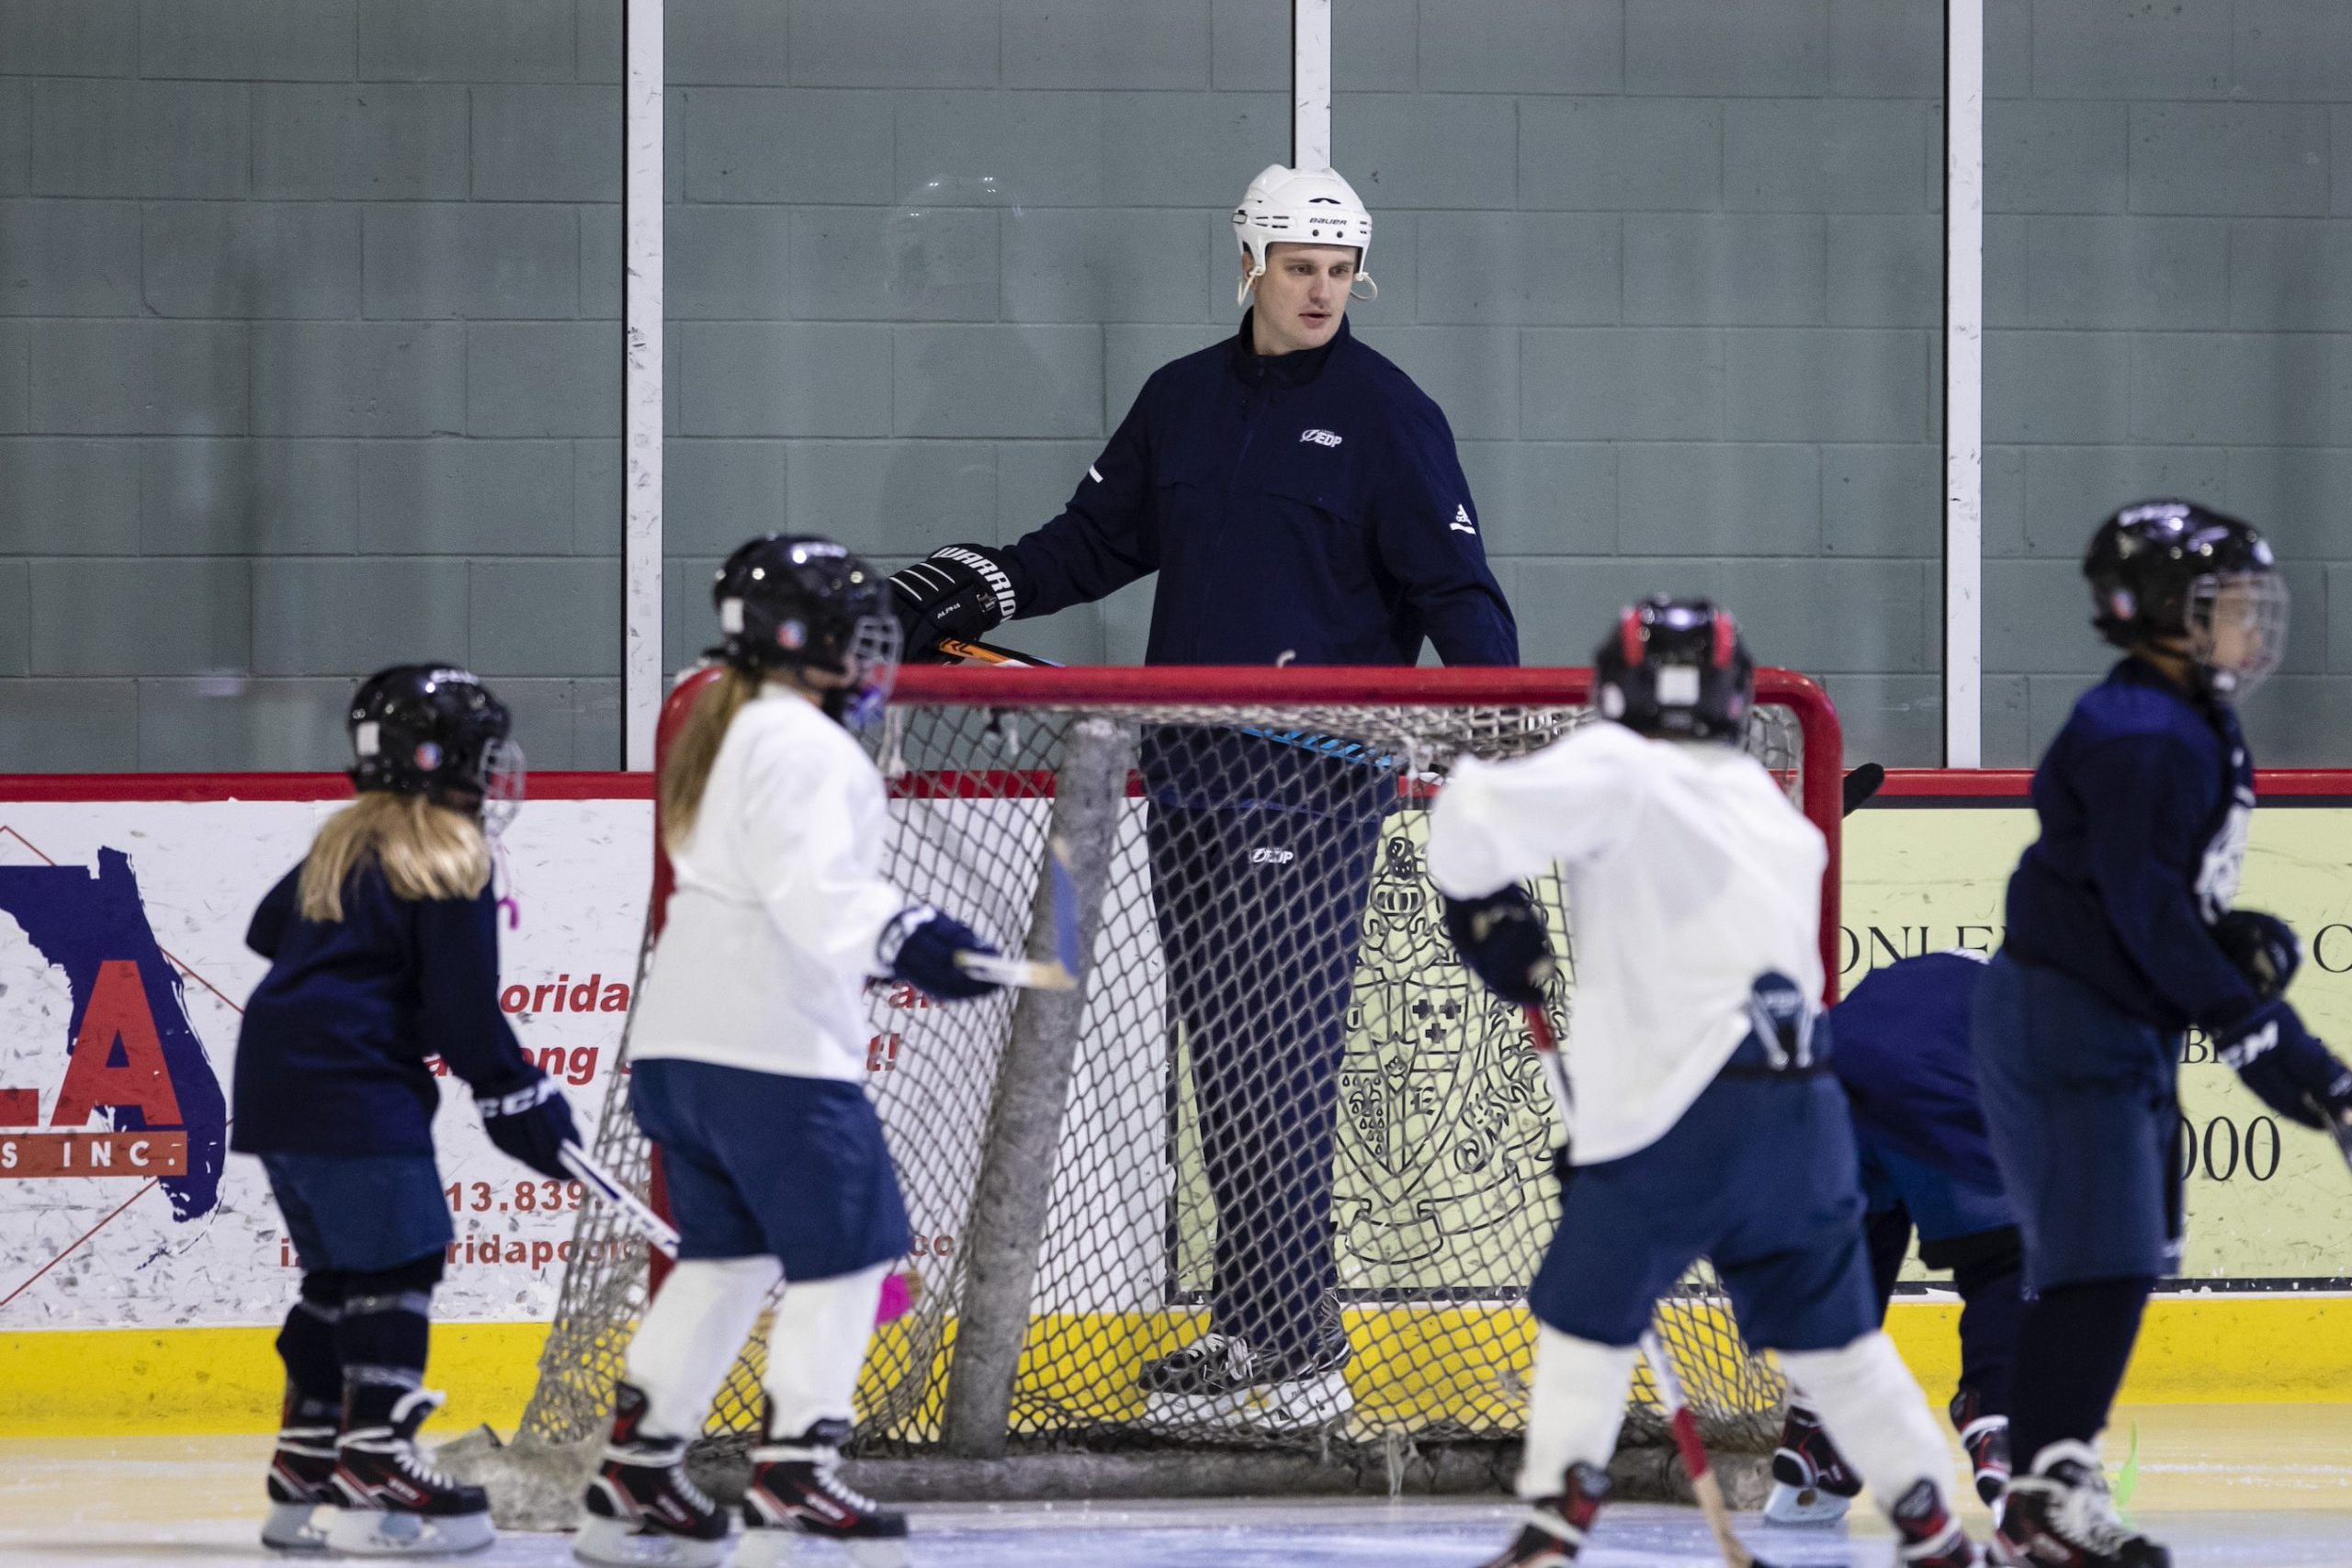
1276, 1104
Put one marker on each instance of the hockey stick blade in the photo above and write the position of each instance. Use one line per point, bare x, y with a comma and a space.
628, 1204
1703, 1484
1024, 974
1861, 784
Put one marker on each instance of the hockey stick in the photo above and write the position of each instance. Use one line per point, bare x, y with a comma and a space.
1547, 1053
1058, 973
631, 1208
1703, 1484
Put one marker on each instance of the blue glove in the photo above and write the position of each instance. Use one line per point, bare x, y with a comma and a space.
1501, 938
2294, 1075
2262, 947
920, 946
531, 1123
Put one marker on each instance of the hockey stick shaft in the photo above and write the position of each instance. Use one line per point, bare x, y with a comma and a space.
1703, 1484
1547, 1054
628, 1204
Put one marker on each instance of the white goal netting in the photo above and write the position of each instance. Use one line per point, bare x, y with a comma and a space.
1276, 1108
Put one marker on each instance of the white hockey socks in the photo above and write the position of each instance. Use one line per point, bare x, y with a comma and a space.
1576, 1402
1875, 1414
692, 1334
816, 1347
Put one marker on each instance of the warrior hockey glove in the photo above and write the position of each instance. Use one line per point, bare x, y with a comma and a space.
531, 1123
2264, 948
2278, 1059
962, 591
920, 946
1501, 938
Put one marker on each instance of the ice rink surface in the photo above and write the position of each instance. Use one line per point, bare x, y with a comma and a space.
2232, 1486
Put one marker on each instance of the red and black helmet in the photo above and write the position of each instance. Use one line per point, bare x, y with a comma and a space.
1676, 668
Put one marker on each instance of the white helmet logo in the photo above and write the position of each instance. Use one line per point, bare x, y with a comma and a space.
1301, 206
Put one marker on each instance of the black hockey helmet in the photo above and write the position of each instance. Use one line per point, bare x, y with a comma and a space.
1676, 668
2174, 573
435, 730
801, 602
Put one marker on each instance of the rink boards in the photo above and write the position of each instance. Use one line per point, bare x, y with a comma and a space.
143, 1292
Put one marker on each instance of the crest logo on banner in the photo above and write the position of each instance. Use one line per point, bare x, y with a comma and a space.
125, 1056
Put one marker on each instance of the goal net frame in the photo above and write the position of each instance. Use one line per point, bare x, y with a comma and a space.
946, 1406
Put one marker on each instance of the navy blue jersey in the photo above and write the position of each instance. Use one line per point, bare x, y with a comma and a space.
331, 1058
2145, 799
1305, 508
1900, 1045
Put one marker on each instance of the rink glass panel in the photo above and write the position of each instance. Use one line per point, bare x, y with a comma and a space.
1443, 1199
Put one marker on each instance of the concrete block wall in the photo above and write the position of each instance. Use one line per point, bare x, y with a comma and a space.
309, 363
307, 342
2169, 278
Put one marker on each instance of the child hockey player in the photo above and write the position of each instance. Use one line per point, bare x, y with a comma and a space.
1705, 1123
1902, 1057
748, 1055
383, 949
2118, 916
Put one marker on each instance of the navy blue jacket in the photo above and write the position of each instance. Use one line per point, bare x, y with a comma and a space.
1305, 508
1900, 1045
331, 1055
2145, 799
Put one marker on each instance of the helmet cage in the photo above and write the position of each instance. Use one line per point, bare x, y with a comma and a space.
502, 773
872, 665
2236, 626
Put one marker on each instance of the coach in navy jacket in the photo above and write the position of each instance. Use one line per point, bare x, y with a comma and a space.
1301, 502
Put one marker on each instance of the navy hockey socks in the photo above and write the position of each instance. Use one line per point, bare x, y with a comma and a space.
307, 1346
2073, 1345
382, 1337
1992, 1304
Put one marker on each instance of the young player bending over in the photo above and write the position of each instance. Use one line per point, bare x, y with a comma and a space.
748, 1055
383, 949
1903, 1056
2119, 936
1705, 1120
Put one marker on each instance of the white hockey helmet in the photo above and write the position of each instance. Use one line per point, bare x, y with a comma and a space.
1301, 206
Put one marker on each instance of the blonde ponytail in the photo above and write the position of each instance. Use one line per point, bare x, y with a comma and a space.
425, 851
686, 767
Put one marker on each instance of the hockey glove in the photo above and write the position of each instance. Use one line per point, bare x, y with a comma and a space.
2294, 1075
1501, 938
2264, 948
920, 946
961, 591
531, 1123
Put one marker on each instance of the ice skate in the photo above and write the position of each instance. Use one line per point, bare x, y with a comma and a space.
643, 1511
1931, 1537
796, 1493
1222, 1380
2062, 1516
1556, 1526
1986, 1440
394, 1502
300, 1482
1811, 1484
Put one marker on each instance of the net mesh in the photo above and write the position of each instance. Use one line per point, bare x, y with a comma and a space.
1304, 1169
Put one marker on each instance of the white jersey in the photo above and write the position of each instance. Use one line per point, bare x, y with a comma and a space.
779, 905
1687, 873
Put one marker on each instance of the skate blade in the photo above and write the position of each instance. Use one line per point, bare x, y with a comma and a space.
294, 1527
370, 1532
613, 1543
1803, 1505
769, 1547
1273, 1407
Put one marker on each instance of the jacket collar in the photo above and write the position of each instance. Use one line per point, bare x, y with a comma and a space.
1293, 369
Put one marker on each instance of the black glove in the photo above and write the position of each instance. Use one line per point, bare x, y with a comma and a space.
2294, 1075
531, 1123
960, 590
2264, 947
1501, 938
920, 946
